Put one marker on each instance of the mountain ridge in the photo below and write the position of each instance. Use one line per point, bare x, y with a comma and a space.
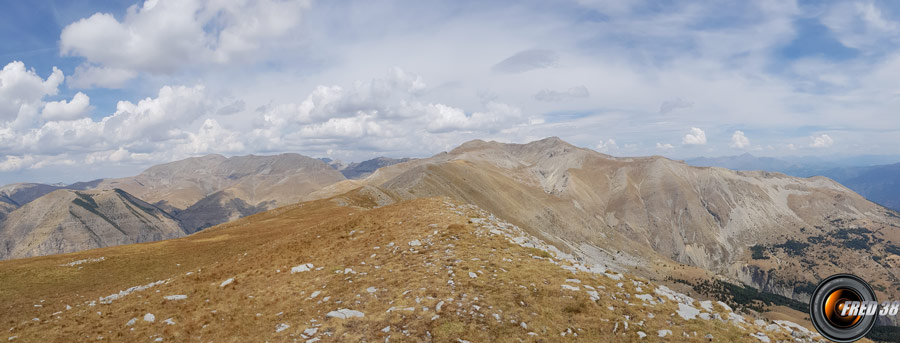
67, 221
639, 213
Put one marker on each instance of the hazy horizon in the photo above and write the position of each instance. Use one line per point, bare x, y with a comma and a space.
52, 177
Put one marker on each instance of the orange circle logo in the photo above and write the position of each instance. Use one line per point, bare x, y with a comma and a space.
834, 307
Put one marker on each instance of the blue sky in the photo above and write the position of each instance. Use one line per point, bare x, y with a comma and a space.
106, 88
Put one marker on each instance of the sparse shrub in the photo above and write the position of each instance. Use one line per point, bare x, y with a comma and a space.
758, 252
575, 308
792, 247
893, 249
538, 252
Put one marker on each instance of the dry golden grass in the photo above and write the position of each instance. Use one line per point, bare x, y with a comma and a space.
518, 284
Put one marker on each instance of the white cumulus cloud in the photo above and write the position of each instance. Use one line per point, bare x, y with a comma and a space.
695, 137
22, 90
162, 36
821, 141
739, 140
666, 146
67, 110
87, 76
12, 163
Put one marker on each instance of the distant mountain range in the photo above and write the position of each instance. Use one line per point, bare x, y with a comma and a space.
165, 201
359, 170
878, 183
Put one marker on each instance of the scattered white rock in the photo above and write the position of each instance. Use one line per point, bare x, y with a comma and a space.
644, 297
149, 317
415, 243
314, 294
473, 275
226, 282
281, 327
663, 333
408, 309
687, 312
310, 332
386, 329
371, 289
641, 334
131, 322
109, 299
761, 337
344, 314
175, 297
302, 268
169, 321
87, 260
616, 277
571, 288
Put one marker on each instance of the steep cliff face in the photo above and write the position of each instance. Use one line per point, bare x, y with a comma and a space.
67, 221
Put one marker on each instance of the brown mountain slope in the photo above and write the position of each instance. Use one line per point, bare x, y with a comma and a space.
639, 213
261, 182
20, 194
65, 221
174, 185
210, 190
340, 270
255, 184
